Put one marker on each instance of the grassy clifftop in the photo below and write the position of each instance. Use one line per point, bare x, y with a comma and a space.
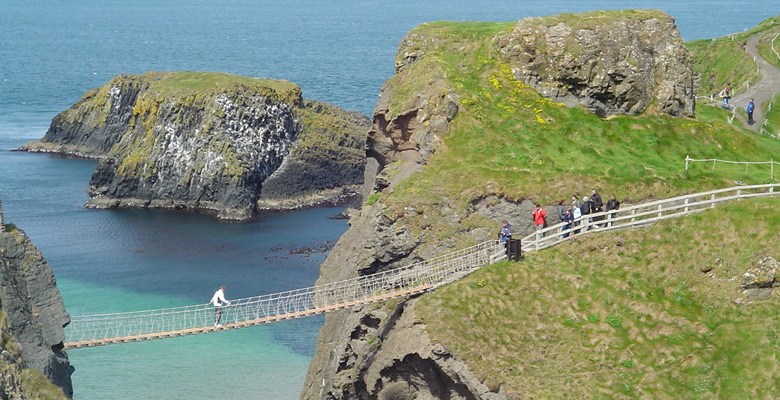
617, 315
509, 141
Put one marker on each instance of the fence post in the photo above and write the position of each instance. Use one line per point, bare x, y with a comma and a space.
686, 205
633, 220
712, 201
713, 165
687, 158
2, 222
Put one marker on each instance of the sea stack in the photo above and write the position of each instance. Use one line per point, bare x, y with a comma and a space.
210, 142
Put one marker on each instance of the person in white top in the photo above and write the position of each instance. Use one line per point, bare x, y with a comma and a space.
218, 300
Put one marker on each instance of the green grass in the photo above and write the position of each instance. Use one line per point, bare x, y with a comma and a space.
191, 81
618, 314
508, 141
770, 30
772, 117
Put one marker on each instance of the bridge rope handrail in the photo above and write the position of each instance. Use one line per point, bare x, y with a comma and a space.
100, 329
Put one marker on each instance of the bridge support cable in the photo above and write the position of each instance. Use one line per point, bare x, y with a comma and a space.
104, 329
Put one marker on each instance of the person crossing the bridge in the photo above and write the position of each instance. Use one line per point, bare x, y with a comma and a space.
218, 300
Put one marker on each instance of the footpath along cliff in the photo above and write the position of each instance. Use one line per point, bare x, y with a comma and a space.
210, 141
32, 321
480, 121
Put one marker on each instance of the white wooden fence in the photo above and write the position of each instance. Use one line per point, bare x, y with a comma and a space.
644, 214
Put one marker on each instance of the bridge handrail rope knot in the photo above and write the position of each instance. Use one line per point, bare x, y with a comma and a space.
103, 329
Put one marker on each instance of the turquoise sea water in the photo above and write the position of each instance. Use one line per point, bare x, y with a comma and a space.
339, 51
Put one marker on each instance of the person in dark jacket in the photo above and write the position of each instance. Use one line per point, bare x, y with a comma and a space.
612, 204
586, 205
568, 220
587, 208
749, 110
596, 204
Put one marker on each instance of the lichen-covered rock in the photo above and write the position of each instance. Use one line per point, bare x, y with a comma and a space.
611, 62
208, 141
32, 321
762, 275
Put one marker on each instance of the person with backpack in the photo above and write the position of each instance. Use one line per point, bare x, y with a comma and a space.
726, 95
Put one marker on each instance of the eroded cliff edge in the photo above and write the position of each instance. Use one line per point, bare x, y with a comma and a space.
32, 321
385, 351
210, 141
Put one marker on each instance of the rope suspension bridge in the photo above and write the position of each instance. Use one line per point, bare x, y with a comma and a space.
106, 329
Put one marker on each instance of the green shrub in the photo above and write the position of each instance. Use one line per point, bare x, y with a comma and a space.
614, 321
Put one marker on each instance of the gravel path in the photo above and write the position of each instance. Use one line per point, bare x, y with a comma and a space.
761, 92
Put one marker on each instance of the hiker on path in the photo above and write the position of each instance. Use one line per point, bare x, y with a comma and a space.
726, 95
749, 110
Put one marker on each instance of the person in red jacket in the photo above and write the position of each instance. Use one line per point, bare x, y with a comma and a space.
539, 214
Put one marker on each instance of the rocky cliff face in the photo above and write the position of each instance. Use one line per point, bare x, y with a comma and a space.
384, 352
209, 141
616, 62
32, 318
624, 62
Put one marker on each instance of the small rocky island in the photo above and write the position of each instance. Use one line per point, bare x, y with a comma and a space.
211, 142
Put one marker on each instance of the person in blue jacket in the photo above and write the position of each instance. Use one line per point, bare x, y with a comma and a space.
568, 221
749, 109
506, 232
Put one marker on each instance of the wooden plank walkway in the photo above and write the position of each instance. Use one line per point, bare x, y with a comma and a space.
248, 323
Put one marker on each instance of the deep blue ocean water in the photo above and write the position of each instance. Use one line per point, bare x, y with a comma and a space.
339, 51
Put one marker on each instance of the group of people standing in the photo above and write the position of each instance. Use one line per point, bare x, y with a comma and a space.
571, 216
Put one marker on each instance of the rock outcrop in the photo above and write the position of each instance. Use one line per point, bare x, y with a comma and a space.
32, 318
611, 62
208, 141
371, 352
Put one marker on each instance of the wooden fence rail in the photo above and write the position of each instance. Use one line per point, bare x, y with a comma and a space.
645, 214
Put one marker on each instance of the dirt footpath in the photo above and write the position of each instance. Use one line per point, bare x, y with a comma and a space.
761, 92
